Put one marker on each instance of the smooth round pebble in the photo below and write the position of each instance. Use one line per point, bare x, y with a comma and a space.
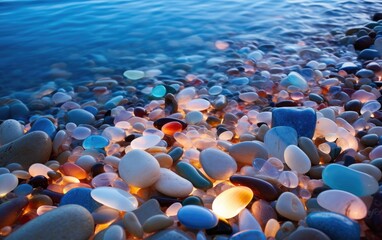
115, 198
145, 142
296, 159
80, 196
134, 74
80, 116
10, 130
246, 152
172, 185
8, 182
157, 223
197, 105
289, 205
197, 217
217, 164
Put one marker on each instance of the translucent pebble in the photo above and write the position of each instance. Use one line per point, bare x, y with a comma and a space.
215, 90
173, 209
153, 131
363, 96
114, 134
71, 169
185, 95
229, 203
343, 202
288, 179
197, 105
158, 91
290, 206
39, 169
8, 182
325, 127
227, 135
371, 106
44, 209
123, 125
183, 140
104, 179
171, 128
70, 126
271, 228
153, 73
86, 162
145, 142
95, 142
296, 159
249, 96
70, 186
134, 74
115, 198
60, 97
194, 117
265, 117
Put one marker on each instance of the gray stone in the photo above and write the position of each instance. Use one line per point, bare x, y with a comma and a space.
307, 145
246, 152
217, 164
10, 130
80, 116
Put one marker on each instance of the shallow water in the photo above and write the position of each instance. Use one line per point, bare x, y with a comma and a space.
36, 34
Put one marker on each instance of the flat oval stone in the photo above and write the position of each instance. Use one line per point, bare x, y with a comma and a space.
303, 120
296, 80
368, 169
277, 139
307, 145
263, 212
296, 159
8, 182
193, 175
66, 222
229, 203
260, 188
289, 205
11, 210
45, 125
197, 217
134, 74
115, 198
138, 168
343, 178
246, 152
308, 233
71, 169
217, 164
157, 223
80, 116
80, 196
10, 130
173, 185
334, 225
145, 142
132, 224
342, 202
198, 105
114, 232
23, 152
80, 133
194, 117
95, 142
248, 234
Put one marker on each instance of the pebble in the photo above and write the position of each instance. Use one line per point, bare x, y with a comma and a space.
170, 234
8, 182
231, 202
115, 198
172, 185
193, 175
296, 159
45, 125
289, 205
114, 232
138, 168
197, 105
246, 152
260, 188
343, 203
263, 212
296, 80
197, 217
308, 233
368, 169
80, 196
247, 221
277, 139
66, 222
217, 164
10, 130
157, 223
95, 142
248, 234
334, 225
22, 152
80, 116
307, 145
11, 210
134, 74
132, 225
361, 184
147, 210
145, 142
194, 117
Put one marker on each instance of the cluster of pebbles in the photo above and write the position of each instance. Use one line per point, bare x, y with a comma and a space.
272, 141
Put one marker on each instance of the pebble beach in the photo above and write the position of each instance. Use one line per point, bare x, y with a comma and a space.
253, 140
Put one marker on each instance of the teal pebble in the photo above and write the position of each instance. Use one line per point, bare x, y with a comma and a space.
95, 142
45, 125
193, 200
159, 91
335, 225
248, 235
241, 81
175, 153
193, 175
197, 217
112, 103
343, 178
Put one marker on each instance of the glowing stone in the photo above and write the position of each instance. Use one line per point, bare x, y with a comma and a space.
343, 202
134, 74
39, 169
95, 141
145, 142
296, 159
171, 128
115, 198
198, 105
8, 182
158, 91
231, 202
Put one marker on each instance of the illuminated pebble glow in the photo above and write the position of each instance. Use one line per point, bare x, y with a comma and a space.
115, 198
197, 217
173, 209
221, 45
296, 159
8, 182
171, 128
104, 179
44, 209
114, 134
71, 169
39, 169
229, 203
197, 105
145, 142
288, 179
343, 202
371, 106
134, 74
95, 141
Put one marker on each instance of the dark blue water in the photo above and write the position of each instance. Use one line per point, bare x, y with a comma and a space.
129, 34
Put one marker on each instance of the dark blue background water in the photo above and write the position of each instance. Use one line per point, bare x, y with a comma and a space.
36, 34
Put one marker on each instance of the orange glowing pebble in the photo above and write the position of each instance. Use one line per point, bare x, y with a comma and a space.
71, 169
171, 128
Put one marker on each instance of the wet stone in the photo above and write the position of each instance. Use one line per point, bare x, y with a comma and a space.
147, 210
308, 233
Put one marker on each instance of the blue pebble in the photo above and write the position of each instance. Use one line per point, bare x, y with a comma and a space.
368, 54
240, 81
112, 103
248, 235
197, 217
95, 142
303, 120
91, 109
82, 197
80, 116
335, 225
23, 190
45, 125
